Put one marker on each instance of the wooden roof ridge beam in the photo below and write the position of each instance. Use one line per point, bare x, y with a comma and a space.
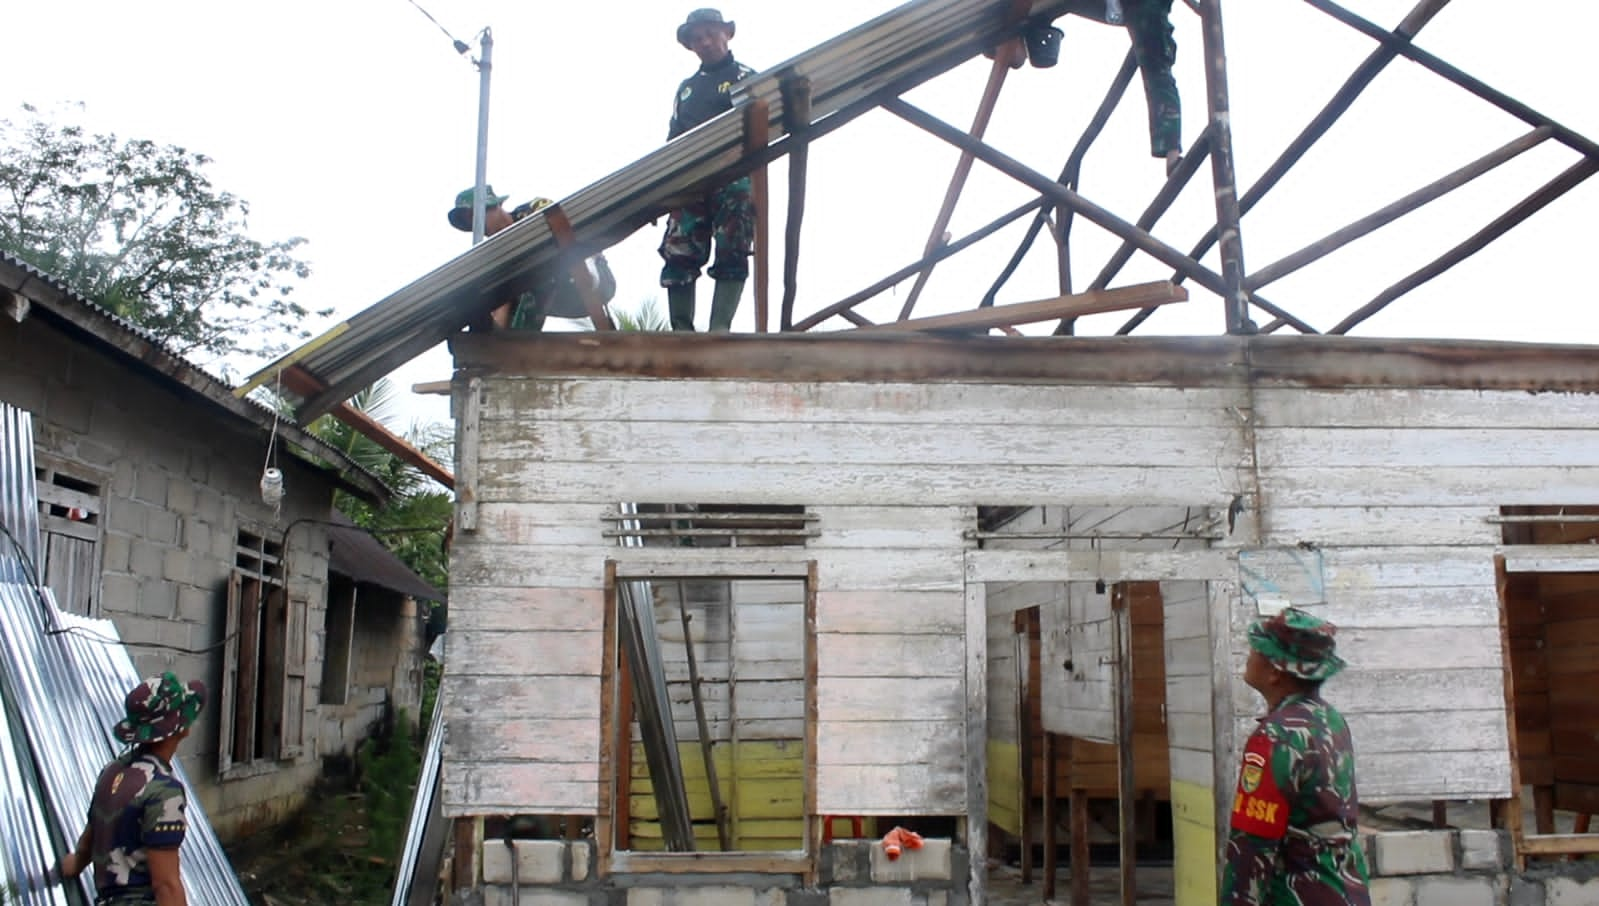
566, 238
302, 383
1342, 99
796, 119
1092, 302
845, 307
963, 168
1397, 209
1504, 223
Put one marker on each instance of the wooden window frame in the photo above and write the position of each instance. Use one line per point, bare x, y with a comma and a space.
262, 715
90, 530
614, 721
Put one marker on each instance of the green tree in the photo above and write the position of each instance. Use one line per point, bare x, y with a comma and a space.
414, 523
647, 317
138, 227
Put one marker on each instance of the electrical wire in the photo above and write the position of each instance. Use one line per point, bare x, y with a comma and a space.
461, 47
31, 572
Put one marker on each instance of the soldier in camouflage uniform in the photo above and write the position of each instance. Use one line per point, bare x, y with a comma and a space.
1293, 839
1149, 25
136, 819
554, 291
726, 214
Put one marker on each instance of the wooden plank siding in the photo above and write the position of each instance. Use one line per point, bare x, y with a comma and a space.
1396, 487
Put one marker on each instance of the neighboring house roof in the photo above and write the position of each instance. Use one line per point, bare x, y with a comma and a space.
62, 305
848, 74
355, 553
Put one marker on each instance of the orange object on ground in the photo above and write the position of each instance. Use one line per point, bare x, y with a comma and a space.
900, 839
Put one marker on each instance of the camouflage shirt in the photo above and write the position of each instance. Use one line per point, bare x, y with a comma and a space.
138, 805
1293, 840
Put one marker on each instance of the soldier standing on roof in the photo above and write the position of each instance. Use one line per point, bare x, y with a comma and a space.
136, 819
1293, 839
725, 214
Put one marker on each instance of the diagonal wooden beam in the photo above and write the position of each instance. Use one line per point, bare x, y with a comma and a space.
1389, 213
1075, 306
845, 306
1329, 114
963, 170
1224, 176
301, 383
1502, 224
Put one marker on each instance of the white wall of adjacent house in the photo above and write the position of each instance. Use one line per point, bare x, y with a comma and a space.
1393, 489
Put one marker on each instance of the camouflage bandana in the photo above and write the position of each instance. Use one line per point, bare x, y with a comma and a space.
158, 708
1298, 644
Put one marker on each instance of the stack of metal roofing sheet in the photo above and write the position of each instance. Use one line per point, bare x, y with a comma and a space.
416, 881
62, 681
897, 51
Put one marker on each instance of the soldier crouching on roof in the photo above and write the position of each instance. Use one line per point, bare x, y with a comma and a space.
1293, 838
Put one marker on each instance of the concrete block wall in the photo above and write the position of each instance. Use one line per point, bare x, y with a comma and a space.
1470, 868
179, 481
851, 873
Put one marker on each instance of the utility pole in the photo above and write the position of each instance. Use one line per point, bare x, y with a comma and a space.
485, 67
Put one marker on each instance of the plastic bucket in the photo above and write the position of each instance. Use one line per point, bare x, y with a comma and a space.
1043, 45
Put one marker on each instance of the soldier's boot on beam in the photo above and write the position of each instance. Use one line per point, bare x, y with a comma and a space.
680, 303
724, 304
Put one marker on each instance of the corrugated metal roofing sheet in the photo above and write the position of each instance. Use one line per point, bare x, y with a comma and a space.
896, 51
132, 340
62, 681
357, 554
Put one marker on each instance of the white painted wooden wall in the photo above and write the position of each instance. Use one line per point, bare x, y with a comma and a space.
1393, 485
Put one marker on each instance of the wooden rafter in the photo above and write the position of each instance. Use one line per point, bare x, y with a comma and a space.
301, 383
797, 118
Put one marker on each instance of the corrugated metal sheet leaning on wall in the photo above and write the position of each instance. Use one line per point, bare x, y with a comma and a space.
62, 679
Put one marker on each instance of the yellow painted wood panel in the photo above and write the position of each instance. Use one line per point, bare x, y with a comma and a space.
1193, 811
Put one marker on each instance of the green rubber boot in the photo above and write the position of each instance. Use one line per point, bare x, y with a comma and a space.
680, 303
724, 304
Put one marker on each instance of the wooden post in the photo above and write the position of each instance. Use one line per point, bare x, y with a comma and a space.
977, 740
1051, 815
1510, 817
1223, 175
797, 119
1024, 737
757, 135
1127, 825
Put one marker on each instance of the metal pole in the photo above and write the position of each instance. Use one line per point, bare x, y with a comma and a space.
485, 66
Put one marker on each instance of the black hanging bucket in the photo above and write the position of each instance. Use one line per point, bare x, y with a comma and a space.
1043, 45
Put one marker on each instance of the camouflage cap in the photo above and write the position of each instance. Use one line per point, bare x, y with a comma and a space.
702, 17
461, 215
1298, 644
158, 708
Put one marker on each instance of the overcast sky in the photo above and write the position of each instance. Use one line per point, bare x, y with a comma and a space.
353, 124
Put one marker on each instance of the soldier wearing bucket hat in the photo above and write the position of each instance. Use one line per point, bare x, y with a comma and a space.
553, 291
136, 818
723, 216
1293, 838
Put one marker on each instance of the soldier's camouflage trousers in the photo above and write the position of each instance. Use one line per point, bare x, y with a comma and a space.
725, 217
